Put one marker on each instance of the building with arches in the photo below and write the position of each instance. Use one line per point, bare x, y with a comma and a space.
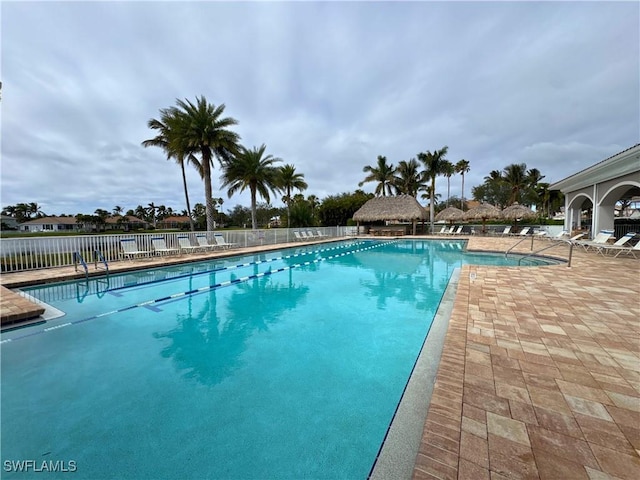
599, 188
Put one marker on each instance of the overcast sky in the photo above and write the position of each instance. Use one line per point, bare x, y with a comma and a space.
327, 86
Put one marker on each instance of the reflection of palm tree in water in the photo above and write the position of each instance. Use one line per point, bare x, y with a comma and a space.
208, 348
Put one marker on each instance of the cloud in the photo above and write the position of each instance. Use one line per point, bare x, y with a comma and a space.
327, 86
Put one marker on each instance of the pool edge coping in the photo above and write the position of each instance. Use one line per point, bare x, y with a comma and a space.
397, 456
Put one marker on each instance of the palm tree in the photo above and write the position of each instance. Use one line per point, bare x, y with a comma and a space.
313, 203
289, 179
494, 176
433, 163
219, 201
251, 169
462, 167
408, 179
382, 173
448, 169
165, 140
101, 218
140, 212
117, 210
515, 175
427, 194
200, 129
34, 209
534, 176
151, 212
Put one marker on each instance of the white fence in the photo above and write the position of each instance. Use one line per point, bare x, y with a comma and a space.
31, 253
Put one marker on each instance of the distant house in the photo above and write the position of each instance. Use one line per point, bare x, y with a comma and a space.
126, 223
9, 222
51, 224
174, 221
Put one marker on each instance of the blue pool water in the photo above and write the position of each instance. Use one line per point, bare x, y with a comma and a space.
287, 364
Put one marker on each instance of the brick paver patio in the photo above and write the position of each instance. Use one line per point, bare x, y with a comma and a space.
540, 373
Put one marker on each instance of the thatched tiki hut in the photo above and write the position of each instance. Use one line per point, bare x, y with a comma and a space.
403, 208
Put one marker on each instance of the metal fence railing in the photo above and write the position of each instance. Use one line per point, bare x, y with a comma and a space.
31, 253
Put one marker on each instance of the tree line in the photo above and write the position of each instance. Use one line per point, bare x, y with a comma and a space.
196, 134
514, 184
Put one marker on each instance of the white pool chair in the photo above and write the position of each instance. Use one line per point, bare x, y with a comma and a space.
203, 243
618, 247
160, 246
185, 244
600, 239
524, 231
559, 236
130, 249
624, 250
221, 242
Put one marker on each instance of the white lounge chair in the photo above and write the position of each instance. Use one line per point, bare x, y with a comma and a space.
505, 232
321, 235
618, 246
160, 246
600, 239
185, 244
523, 232
576, 237
559, 236
203, 243
298, 236
624, 249
221, 242
442, 231
457, 231
130, 249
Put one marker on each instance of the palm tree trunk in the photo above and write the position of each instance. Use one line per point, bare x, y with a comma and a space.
206, 173
432, 207
288, 207
448, 190
254, 223
186, 196
462, 194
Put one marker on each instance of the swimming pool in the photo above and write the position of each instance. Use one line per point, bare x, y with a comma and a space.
285, 364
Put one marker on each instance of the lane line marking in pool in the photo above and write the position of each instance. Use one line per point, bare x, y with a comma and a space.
57, 326
207, 288
233, 267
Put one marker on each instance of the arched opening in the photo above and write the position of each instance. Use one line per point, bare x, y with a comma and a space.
579, 213
615, 207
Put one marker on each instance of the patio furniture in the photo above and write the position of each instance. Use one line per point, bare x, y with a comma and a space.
160, 246
185, 244
204, 243
221, 242
130, 249
619, 246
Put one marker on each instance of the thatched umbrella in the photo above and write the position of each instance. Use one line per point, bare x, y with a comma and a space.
401, 207
450, 214
516, 212
482, 212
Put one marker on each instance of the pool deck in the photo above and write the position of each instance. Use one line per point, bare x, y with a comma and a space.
540, 372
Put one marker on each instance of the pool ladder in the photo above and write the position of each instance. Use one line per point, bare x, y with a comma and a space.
78, 260
99, 264
555, 243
